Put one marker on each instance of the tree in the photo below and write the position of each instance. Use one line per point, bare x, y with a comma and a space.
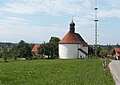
117, 45
54, 40
98, 50
14, 52
50, 49
0, 54
54, 46
5, 54
112, 52
45, 49
24, 50
90, 51
108, 47
27, 51
103, 53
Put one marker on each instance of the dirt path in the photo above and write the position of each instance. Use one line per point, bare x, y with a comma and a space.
115, 70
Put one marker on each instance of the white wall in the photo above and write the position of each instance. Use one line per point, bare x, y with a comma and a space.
68, 51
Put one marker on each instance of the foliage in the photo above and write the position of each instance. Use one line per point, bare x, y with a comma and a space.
50, 49
24, 50
55, 72
44, 49
0, 52
109, 47
5, 54
14, 52
31, 45
90, 51
103, 53
10, 50
54, 40
0, 55
98, 50
54, 46
112, 52
117, 45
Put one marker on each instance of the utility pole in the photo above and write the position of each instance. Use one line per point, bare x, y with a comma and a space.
96, 28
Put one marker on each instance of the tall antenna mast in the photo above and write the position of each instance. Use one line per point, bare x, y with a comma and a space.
96, 27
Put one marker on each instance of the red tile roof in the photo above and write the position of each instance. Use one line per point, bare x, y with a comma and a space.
117, 52
117, 49
35, 48
72, 38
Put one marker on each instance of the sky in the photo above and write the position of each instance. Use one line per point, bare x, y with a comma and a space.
36, 21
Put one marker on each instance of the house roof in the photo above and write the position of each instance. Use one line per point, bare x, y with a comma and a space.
117, 49
72, 38
35, 48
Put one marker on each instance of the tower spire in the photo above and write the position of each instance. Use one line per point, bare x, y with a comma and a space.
72, 26
72, 18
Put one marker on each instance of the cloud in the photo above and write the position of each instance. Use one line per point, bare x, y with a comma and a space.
19, 8
30, 33
52, 7
109, 13
18, 26
12, 20
110, 9
114, 3
61, 7
15, 18
81, 9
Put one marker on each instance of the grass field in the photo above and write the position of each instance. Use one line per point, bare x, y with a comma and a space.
54, 72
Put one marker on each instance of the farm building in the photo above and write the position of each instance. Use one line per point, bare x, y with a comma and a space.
72, 45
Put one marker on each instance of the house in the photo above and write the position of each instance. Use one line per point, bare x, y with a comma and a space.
72, 45
35, 51
117, 53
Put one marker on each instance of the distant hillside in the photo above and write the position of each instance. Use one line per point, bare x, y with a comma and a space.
7, 44
106, 46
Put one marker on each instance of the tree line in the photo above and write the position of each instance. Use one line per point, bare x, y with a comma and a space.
102, 50
14, 51
23, 50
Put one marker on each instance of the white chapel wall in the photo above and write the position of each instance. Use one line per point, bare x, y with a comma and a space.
68, 51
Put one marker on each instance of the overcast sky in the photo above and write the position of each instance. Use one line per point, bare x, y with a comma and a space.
36, 21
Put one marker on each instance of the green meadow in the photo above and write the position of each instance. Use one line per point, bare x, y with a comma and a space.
54, 72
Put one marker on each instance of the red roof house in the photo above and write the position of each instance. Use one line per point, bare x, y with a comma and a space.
117, 52
35, 48
35, 52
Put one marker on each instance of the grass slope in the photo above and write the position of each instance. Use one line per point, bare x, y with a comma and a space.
54, 72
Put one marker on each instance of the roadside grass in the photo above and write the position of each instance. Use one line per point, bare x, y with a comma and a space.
55, 72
